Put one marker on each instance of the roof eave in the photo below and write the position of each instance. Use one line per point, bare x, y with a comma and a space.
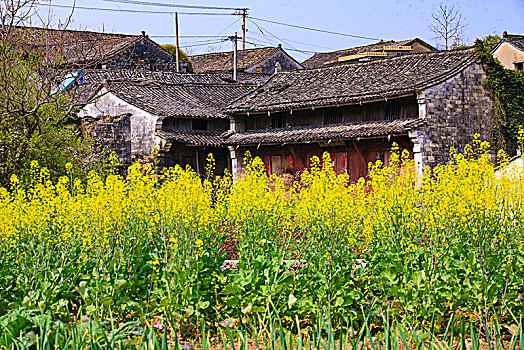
320, 139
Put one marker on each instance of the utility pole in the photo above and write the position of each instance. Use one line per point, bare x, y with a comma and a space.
244, 15
177, 45
235, 38
243, 12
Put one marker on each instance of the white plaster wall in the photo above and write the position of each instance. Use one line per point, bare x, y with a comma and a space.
514, 170
507, 54
143, 124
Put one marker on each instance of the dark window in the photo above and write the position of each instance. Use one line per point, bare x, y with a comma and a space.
519, 66
152, 65
333, 115
278, 121
199, 124
392, 110
261, 122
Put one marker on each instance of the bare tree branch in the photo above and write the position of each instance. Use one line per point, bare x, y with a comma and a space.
448, 25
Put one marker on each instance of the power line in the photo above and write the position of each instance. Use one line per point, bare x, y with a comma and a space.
312, 29
229, 26
274, 36
204, 43
148, 3
285, 48
299, 42
187, 36
132, 11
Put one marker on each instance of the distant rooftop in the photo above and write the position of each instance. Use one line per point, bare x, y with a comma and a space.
320, 59
223, 61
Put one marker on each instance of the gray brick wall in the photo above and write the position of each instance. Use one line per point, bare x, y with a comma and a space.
455, 110
111, 134
147, 56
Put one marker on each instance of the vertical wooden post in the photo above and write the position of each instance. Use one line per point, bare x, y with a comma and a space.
177, 44
244, 14
197, 161
235, 57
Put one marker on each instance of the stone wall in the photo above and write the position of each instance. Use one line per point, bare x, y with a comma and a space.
455, 110
142, 125
146, 55
110, 133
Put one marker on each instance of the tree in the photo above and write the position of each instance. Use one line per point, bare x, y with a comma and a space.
182, 55
490, 41
448, 25
36, 120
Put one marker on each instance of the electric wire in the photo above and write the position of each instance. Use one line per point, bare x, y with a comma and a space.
149, 3
300, 42
274, 36
203, 43
285, 48
132, 11
262, 30
313, 29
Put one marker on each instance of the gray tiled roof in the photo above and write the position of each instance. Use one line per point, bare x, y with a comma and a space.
223, 61
348, 131
76, 45
353, 83
193, 137
166, 93
179, 100
101, 75
515, 40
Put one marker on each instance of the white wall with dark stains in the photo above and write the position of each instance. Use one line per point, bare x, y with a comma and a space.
143, 124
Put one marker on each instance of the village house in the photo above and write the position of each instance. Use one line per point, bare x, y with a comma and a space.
259, 60
510, 51
77, 49
426, 103
380, 49
180, 115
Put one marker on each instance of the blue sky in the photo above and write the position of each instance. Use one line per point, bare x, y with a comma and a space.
372, 18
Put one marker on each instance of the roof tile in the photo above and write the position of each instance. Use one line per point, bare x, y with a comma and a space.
223, 61
320, 59
193, 137
347, 131
515, 40
353, 83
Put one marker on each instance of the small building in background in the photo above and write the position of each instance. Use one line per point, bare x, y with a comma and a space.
380, 49
510, 51
425, 102
259, 60
94, 50
179, 115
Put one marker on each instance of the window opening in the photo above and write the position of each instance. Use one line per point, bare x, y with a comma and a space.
332, 116
199, 124
278, 121
392, 110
